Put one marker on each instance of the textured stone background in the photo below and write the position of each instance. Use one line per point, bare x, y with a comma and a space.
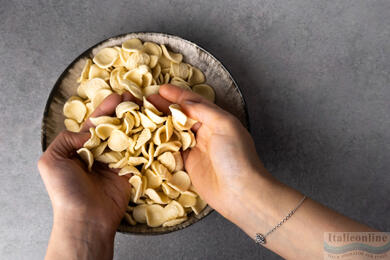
315, 75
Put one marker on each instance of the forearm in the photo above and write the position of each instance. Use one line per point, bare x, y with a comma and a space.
79, 240
266, 202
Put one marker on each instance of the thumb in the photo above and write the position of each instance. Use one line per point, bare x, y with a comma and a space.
66, 143
194, 105
206, 113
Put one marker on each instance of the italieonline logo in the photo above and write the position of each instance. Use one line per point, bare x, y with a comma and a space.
356, 245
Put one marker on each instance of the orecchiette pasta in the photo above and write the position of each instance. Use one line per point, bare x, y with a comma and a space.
97, 72
139, 213
129, 169
154, 180
132, 45
85, 71
71, 125
171, 193
87, 156
104, 120
204, 90
93, 86
93, 141
130, 219
106, 57
75, 109
174, 222
118, 141
168, 160
99, 149
104, 130
143, 143
124, 107
155, 216
100, 96
136, 182
109, 157
180, 181
187, 199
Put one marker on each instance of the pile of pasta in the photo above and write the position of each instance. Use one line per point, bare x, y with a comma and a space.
140, 141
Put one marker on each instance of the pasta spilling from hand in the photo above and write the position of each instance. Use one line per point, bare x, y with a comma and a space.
141, 141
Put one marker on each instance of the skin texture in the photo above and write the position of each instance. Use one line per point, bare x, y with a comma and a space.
224, 168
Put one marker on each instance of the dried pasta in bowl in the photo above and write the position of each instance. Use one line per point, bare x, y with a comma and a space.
139, 140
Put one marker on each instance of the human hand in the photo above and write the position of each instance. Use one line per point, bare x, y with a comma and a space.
226, 172
98, 198
223, 165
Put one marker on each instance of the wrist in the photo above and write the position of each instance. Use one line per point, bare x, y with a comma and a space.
79, 239
96, 220
84, 228
263, 203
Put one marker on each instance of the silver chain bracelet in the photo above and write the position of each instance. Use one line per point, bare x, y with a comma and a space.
260, 239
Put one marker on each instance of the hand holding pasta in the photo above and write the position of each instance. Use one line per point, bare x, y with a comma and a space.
224, 163
76, 195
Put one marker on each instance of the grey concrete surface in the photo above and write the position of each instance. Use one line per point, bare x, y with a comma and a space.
315, 75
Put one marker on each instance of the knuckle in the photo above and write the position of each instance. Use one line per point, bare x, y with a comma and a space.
183, 96
43, 162
64, 134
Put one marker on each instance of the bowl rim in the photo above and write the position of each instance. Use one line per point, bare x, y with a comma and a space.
84, 54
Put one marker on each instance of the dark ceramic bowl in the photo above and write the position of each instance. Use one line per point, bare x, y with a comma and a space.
228, 96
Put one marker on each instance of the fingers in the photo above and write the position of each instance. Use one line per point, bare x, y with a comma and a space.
127, 96
204, 113
194, 106
160, 103
184, 155
178, 95
65, 144
107, 107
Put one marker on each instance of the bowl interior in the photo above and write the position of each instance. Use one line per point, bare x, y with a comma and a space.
228, 96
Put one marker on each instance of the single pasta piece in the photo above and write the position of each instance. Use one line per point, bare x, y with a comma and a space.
205, 91
105, 58
180, 181
87, 156
75, 109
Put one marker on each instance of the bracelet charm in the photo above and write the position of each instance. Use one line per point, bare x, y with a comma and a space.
260, 239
